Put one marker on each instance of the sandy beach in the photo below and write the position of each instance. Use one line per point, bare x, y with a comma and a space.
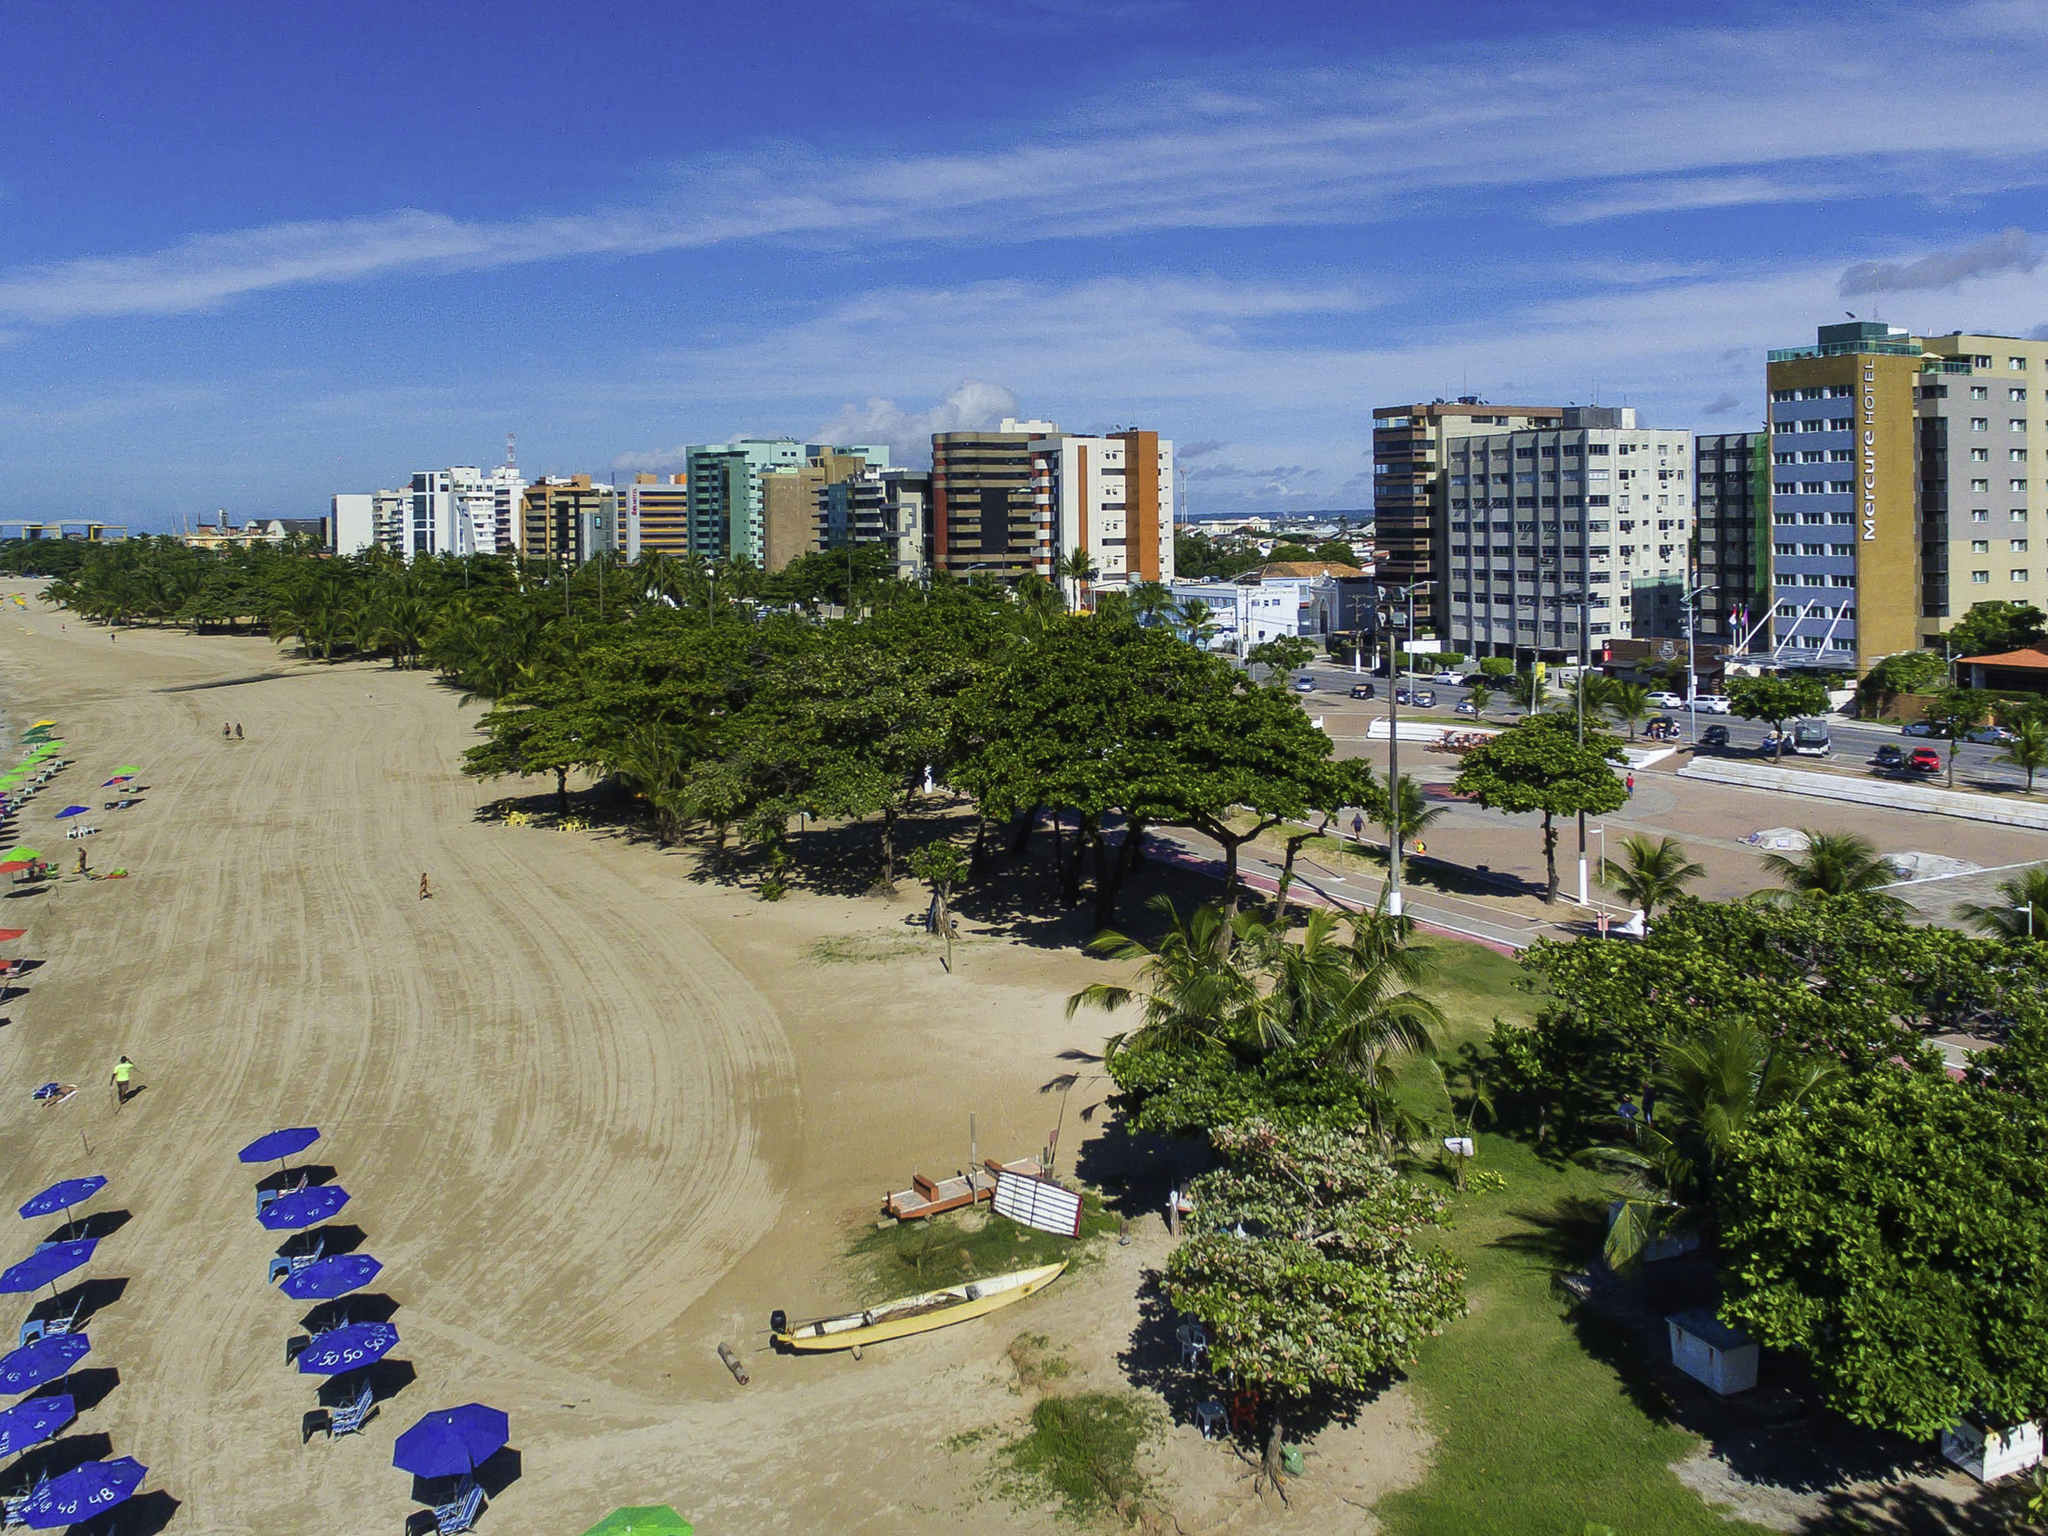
595, 1114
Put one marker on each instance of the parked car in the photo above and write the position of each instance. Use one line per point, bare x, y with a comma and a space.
1921, 728
1422, 698
1888, 758
1989, 735
1467, 707
1363, 691
1304, 685
1714, 736
1662, 728
1924, 760
1712, 704
1476, 679
1667, 700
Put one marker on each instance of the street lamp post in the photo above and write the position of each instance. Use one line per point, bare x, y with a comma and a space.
2029, 910
1394, 899
1692, 686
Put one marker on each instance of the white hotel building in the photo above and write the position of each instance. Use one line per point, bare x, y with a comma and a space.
1597, 511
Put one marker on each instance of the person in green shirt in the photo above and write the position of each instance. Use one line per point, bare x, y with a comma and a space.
124, 1069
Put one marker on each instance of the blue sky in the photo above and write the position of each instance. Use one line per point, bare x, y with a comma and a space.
257, 255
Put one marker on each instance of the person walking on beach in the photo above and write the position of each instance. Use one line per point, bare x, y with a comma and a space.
238, 730
123, 1070
425, 891
225, 731
81, 861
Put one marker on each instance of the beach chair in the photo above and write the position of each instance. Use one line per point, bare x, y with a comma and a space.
265, 1196
342, 1419
460, 1513
49, 1327
291, 1263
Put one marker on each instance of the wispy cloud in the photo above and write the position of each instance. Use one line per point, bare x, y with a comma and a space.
2014, 250
971, 403
1702, 118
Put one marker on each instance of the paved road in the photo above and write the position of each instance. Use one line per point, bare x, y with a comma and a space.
1854, 741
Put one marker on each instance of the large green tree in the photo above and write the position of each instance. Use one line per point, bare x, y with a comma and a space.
1776, 699
1303, 1267
1992, 628
1540, 765
1895, 1234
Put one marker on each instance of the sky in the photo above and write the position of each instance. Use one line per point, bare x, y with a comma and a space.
256, 256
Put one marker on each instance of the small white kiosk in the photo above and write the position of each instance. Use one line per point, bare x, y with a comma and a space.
1709, 1351
1988, 1454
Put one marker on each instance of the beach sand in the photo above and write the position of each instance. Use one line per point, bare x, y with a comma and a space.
596, 1115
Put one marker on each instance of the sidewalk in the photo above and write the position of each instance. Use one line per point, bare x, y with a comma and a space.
2013, 811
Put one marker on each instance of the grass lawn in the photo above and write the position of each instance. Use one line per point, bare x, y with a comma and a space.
1535, 1434
904, 1258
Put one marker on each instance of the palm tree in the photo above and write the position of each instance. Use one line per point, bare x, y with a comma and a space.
1195, 984
2021, 911
1197, 621
1418, 811
1711, 1086
2028, 749
1627, 702
1834, 864
1480, 697
1652, 874
1079, 567
1151, 601
1039, 604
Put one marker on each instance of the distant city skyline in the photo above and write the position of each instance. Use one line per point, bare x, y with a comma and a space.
267, 268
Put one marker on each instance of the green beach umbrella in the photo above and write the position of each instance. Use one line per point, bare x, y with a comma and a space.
20, 853
128, 768
645, 1520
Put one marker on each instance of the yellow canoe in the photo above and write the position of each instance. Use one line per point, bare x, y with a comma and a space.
919, 1314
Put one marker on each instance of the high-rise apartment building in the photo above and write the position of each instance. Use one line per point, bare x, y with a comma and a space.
1408, 502
654, 516
789, 498
728, 508
1595, 512
889, 507
1905, 470
1732, 491
984, 511
568, 518
1110, 495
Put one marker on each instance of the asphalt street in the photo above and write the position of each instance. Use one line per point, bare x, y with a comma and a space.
1855, 741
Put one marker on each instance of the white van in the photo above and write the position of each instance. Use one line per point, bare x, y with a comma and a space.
1810, 739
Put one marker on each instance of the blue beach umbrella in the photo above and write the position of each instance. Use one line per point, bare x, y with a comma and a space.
81, 1493
324, 1279
279, 1145
451, 1441
73, 810
46, 1266
345, 1348
34, 1421
303, 1207
45, 1360
62, 1196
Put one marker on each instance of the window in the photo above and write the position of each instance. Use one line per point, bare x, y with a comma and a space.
1980, 359
2017, 546
1791, 487
2017, 392
1841, 581
1980, 485
1813, 549
1979, 392
1784, 394
1814, 456
2017, 515
2019, 575
1980, 423
1840, 455
1980, 578
2017, 487
2016, 364
1980, 455
2015, 423
1785, 549
2016, 455
1980, 546
1813, 517
1786, 611
1844, 518
1980, 515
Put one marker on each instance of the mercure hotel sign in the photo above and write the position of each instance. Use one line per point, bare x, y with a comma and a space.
1869, 451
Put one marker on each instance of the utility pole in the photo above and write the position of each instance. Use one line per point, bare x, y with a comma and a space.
1692, 687
1394, 897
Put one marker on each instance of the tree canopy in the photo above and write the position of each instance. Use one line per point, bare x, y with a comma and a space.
1776, 699
1991, 628
1540, 765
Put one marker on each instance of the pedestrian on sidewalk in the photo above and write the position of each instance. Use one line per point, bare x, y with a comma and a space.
1357, 827
1631, 786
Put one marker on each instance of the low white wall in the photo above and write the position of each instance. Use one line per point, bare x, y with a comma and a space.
1423, 730
2012, 812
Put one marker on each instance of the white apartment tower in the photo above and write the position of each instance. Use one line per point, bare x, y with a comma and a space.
1110, 495
1589, 520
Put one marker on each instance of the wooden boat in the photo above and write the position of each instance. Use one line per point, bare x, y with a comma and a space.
918, 1314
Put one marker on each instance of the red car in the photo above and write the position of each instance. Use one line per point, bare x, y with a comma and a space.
1923, 760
